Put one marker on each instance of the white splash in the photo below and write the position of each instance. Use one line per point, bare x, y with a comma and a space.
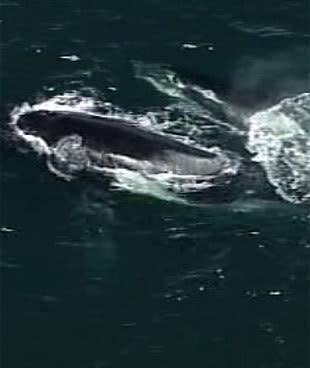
280, 139
136, 182
189, 46
70, 57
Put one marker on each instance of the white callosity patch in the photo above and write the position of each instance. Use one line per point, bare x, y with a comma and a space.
68, 157
71, 149
280, 139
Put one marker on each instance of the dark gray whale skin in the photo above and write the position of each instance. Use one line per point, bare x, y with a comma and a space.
112, 135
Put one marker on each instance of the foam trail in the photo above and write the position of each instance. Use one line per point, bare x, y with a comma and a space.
168, 83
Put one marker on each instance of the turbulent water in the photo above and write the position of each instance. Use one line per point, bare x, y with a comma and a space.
143, 264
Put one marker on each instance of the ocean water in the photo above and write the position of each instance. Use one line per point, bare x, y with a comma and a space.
157, 270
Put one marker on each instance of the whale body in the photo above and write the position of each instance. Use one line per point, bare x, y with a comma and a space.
80, 143
120, 138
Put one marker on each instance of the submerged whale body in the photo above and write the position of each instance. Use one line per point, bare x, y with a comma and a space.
119, 138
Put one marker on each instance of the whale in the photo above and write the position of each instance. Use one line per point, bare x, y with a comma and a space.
119, 142
82, 144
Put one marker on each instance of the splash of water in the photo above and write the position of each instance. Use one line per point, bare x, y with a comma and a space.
279, 138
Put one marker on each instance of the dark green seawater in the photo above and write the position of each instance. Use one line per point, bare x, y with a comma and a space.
93, 277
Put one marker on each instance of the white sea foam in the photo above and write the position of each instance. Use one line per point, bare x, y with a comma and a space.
137, 182
280, 139
168, 83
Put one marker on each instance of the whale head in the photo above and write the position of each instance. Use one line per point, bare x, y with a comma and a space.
43, 123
